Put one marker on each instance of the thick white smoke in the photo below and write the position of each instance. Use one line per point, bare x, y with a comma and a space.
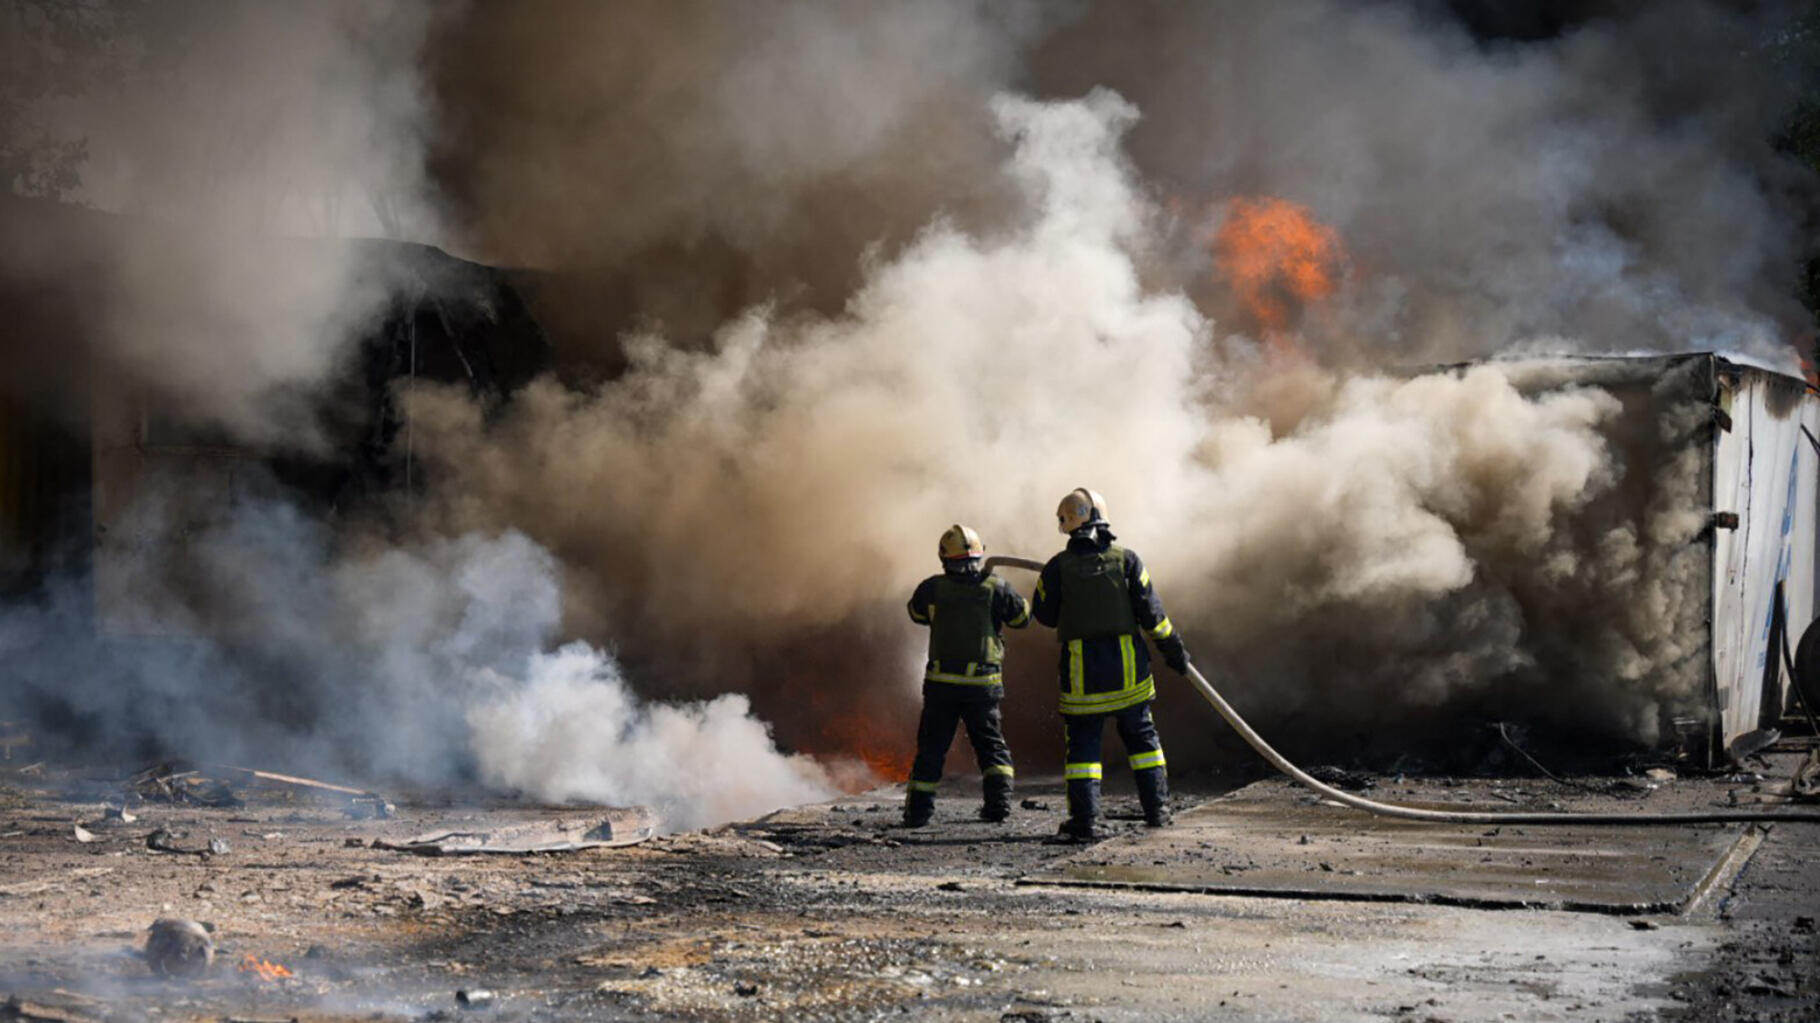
792, 473
573, 729
774, 478
428, 663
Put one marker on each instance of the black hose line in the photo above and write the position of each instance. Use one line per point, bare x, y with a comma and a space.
1414, 813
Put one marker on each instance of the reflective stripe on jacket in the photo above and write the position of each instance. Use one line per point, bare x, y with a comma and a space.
1098, 598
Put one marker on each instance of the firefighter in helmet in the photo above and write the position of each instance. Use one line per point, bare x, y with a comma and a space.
1098, 598
966, 611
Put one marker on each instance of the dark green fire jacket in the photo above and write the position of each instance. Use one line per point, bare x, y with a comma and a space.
1098, 598
967, 616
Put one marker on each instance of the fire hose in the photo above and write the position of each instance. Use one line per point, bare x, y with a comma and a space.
1415, 813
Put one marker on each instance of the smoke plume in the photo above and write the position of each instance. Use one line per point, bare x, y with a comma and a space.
772, 398
823, 280
217, 134
777, 484
233, 153
431, 663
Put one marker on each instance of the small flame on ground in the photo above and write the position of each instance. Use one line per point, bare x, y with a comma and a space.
262, 968
1278, 260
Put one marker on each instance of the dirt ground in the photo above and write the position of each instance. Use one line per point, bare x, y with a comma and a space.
833, 912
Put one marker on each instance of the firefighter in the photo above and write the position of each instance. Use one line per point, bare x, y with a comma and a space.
1098, 598
966, 611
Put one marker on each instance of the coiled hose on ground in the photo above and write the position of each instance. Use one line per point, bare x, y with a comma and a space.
1415, 813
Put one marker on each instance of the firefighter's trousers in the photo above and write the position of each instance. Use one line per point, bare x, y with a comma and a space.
946, 705
1144, 752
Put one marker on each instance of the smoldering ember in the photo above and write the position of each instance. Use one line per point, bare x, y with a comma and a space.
508, 508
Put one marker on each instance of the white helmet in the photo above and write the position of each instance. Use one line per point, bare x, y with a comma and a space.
1081, 508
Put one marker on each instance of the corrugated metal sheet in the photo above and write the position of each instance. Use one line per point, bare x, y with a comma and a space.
1765, 470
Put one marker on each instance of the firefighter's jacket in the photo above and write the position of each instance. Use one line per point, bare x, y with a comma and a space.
967, 616
1098, 598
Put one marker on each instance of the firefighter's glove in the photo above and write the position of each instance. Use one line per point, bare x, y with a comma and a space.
1174, 654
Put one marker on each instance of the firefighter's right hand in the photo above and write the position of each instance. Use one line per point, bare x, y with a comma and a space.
1174, 654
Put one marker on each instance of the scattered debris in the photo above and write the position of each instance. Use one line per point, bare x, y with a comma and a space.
1752, 743
15, 1008
474, 998
164, 840
1620, 787
1766, 985
1806, 781
1643, 925
173, 782
178, 782
745, 989
362, 804
1339, 777
627, 827
179, 948
34, 887
1034, 804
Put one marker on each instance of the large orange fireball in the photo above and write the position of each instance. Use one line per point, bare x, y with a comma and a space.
1277, 258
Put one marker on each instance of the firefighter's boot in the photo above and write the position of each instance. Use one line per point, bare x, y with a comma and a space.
1082, 824
997, 805
919, 806
1153, 793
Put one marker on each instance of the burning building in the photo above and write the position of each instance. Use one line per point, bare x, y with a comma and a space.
781, 358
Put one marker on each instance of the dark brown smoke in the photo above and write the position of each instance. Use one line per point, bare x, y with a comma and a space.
674, 162
806, 322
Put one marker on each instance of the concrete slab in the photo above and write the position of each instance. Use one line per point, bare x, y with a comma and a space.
1269, 839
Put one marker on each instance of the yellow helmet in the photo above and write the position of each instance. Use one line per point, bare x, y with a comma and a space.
1082, 507
960, 543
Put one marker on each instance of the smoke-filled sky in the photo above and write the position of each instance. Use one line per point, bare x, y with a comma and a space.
824, 278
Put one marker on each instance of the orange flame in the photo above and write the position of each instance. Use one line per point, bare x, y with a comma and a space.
263, 969
1278, 258
861, 737
874, 736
